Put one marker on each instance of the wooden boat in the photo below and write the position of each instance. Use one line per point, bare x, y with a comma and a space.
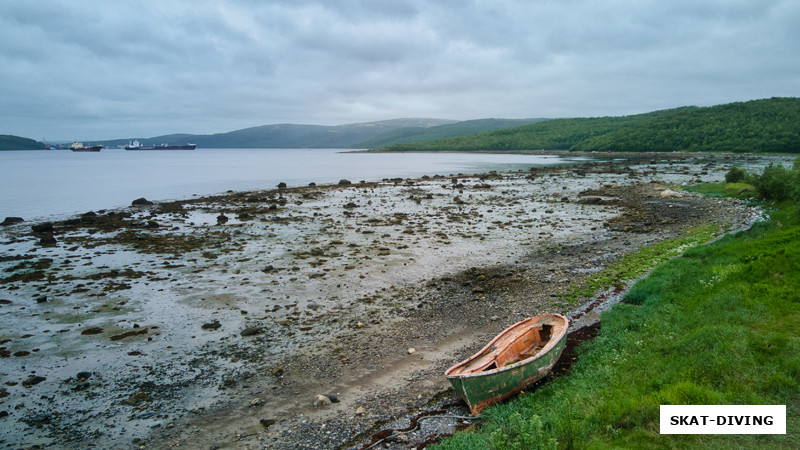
518, 357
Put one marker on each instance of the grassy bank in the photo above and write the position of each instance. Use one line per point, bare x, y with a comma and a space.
718, 325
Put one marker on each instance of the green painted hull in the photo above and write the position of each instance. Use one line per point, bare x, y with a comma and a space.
485, 388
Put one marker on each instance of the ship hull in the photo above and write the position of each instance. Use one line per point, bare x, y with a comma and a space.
161, 147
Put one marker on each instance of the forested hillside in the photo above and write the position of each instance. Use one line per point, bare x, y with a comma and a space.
769, 125
8, 142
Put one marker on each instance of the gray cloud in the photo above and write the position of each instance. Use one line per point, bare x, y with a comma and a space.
97, 70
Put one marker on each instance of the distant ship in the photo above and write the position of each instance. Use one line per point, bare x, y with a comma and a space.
135, 145
79, 147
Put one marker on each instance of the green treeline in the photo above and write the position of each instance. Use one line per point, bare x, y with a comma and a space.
8, 142
768, 125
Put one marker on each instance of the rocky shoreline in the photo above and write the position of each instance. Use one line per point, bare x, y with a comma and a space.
310, 317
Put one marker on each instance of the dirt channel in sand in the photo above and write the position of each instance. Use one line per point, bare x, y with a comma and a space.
219, 320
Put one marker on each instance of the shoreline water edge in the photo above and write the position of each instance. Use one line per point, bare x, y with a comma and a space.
311, 317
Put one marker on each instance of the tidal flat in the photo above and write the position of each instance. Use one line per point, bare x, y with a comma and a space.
221, 320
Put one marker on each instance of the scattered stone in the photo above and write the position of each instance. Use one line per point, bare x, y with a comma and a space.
37, 419
92, 330
266, 423
41, 299
215, 325
277, 371
322, 400
361, 411
256, 402
83, 376
128, 334
669, 193
251, 331
268, 269
11, 221
48, 241
32, 380
138, 398
141, 202
44, 227
411, 351
221, 219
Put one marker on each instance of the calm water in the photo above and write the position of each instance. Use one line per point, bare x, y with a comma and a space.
52, 184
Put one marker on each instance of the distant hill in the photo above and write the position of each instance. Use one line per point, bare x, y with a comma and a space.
768, 125
421, 134
8, 142
291, 135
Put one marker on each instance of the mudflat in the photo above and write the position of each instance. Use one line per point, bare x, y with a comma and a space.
316, 316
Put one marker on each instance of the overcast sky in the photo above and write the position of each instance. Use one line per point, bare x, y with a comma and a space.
105, 69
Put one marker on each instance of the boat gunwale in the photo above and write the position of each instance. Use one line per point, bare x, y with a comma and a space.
553, 342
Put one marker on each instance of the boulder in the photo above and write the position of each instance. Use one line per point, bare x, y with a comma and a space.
322, 400
251, 331
11, 221
44, 227
141, 202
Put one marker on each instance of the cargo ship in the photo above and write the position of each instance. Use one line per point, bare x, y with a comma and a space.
136, 145
79, 147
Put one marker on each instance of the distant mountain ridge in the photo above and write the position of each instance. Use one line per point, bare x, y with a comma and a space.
292, 135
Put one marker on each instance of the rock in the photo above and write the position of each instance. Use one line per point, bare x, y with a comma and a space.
256, 402
322, 400
268, 269
81, 376
141, 202
669, 193
222, 218
41, 299
48, 241
361, 411
92, 330
251, 331
44, 227
139, 397
32, 380
266, 423
215, 325
334, 398
128, 334
344, 182
411, 351
11, 221
277, 371
281, 185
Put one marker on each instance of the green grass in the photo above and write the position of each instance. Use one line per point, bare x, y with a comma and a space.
717, 325
635, 264
738, 190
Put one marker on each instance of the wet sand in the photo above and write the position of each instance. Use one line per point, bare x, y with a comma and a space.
219, 320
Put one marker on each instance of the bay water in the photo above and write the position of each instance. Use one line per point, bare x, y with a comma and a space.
38, 185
